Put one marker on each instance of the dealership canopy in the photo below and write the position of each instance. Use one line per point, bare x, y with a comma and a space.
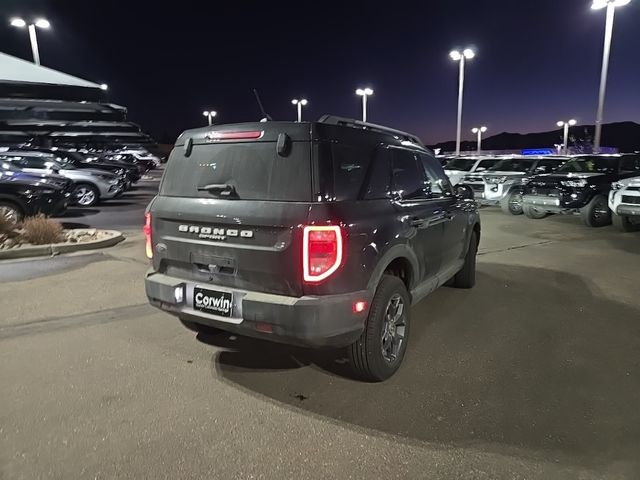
16, 70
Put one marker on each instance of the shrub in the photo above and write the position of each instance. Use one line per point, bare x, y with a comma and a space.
40, 230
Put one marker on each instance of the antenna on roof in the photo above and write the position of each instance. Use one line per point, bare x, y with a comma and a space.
265, 116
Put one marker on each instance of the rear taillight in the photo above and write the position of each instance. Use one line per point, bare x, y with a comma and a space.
322, 252
148, 247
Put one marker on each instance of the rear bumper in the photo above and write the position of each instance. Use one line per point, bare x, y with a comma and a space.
326, 321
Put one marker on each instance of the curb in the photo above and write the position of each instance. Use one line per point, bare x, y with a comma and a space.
58, 248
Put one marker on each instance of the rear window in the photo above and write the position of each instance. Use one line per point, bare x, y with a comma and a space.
254, 170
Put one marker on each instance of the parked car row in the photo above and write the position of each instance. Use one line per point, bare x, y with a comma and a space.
600, 188
47, 181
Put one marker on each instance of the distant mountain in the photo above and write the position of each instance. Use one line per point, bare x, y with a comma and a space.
624, 136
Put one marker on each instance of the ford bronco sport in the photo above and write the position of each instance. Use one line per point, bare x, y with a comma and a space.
317, 234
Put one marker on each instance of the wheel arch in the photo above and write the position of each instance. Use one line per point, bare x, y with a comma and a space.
89, 183
477, 229
400, 261
14, 201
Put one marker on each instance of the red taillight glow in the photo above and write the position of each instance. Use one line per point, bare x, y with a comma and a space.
359, 307
148, 247
251, 135
322, 251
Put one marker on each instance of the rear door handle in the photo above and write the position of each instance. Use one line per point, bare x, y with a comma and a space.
416, 222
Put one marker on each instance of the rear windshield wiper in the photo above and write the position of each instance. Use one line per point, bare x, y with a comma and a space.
220, 189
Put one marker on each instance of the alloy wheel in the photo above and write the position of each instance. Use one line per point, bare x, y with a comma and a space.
515, 203
393, 328
85, 196
601, 210
10, 214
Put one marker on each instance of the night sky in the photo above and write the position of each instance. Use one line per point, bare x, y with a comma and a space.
538, 61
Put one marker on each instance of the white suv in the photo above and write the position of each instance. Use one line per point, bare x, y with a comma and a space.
624, 202
457, 168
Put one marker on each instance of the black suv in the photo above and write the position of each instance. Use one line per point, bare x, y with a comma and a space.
581, 186
23, 195
315, 234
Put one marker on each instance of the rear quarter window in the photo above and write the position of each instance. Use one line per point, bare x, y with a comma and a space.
350, 164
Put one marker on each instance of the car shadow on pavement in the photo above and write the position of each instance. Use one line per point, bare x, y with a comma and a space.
118, 203
530, 361
79, 212
626, 241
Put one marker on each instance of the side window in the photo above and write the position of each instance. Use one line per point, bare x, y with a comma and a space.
23, 162
439, 182
17, 161
350, 165
31, 162
379, 181
548, 166
485, 165
630, 164
409, 182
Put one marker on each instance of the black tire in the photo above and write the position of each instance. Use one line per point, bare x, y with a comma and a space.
366, 355
199, 328
12, 212
624, 223
596, 213
532, 212
466, 278
508, 203
85, 195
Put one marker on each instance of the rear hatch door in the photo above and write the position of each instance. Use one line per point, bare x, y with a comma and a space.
231, 207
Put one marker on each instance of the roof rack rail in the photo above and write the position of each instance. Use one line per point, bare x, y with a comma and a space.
350, 122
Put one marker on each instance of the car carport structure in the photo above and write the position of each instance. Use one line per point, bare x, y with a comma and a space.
40, 106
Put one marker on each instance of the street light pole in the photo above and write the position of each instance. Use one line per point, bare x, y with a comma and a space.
479, 131
566, 126
210, 114
455, 55
364, 93
33, 38
299, 104
610, 5
34, 44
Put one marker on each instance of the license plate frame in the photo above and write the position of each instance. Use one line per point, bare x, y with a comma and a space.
213, 302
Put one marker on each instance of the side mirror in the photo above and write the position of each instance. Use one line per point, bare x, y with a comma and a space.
463, 192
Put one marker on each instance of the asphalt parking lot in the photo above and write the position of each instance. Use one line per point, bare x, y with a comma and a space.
535, 373
123, 213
